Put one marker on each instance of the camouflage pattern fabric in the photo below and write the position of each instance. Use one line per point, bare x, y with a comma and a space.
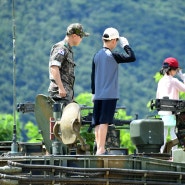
62, 56
113, 138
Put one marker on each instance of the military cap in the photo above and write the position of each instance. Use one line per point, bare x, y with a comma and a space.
77, 29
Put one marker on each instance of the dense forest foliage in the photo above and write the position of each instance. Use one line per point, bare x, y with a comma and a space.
154, 29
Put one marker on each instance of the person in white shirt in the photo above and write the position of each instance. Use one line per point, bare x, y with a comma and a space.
169, 86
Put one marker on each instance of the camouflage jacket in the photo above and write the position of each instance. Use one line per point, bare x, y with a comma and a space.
61, 55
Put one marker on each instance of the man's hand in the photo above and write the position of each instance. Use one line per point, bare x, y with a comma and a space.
123, 42
62, 92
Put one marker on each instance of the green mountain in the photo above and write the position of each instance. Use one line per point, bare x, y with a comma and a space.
154, 29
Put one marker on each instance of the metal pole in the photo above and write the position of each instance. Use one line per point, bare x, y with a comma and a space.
14, 146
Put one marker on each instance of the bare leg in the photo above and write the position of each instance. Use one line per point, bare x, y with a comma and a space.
165, 136
96, 134
100, 134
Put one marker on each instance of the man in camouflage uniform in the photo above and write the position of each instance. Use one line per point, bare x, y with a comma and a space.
61, 64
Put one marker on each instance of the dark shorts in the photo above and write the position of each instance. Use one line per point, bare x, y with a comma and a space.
103, 111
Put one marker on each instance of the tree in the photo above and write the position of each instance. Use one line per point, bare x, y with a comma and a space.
6, 127
32, 132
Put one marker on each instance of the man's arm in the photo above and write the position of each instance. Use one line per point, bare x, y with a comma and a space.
121, 58
56, 75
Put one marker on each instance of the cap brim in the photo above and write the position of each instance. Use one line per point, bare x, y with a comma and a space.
105, 38
85, 34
